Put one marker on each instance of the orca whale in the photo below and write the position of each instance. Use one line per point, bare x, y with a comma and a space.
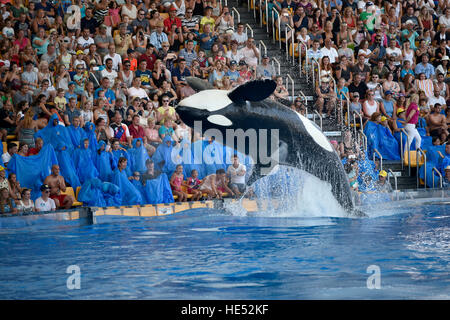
301, 143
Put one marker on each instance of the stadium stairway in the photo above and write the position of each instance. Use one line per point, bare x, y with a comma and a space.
288, 68
304, 87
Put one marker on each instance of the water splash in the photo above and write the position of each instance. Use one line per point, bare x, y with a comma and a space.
290, 192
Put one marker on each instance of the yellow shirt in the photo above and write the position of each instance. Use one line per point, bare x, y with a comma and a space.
161, 111
60, 103
118, 40
206, 20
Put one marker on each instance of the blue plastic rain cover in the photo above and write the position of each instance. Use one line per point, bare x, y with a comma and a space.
163, 157
104, 162
31, 171
89, 129
122, 154
380, 138
77, 136
83, 160
158, 190
139, 156
96, 193
128, 192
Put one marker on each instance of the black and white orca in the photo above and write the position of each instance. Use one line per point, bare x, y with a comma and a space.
301, 143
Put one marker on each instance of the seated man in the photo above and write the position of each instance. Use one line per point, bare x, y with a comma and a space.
326, 96
214, 185
11, 150
57, 184
382, 184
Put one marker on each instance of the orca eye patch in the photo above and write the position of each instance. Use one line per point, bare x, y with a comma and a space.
219, 120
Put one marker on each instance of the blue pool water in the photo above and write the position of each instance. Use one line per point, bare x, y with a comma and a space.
211, 254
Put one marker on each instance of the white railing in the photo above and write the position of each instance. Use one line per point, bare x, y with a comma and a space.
364, 139
355, 115
248, 27
320, 117
235, 11
419, 152
289, 78
375, 151
289, 28
267, 15
440, 177
409, 150
275, 60
304, 97
273, 26
314, 62
299, 50
261, 44
261, 14
391, 173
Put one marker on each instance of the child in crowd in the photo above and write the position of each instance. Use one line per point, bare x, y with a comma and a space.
176, 182
60, 101
193, 183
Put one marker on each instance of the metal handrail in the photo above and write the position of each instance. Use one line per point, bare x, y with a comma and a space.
375, 151
254, 9
313, 62
267, 15
287, 42
233, 10
365, 140
247, 26
273, 26
288, 77
320, 117
440, 176
395, 178
299, 57
278, 63
260, 14
304, 98
354, 121
420, 151
409, 149
261, 43
248, 5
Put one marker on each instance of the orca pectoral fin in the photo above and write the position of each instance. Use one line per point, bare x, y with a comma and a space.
198, 84
256, 90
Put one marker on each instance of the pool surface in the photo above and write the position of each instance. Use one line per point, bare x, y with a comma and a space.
211, 254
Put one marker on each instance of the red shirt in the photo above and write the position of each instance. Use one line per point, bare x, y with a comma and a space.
169, 22
136, 132
32, 151
150, 60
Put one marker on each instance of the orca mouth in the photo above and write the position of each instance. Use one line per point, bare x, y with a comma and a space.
189, 114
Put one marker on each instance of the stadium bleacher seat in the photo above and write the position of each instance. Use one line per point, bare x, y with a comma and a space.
69, 192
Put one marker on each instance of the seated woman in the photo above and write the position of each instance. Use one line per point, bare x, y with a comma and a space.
215, 184
7, 204
370, 106
25, 204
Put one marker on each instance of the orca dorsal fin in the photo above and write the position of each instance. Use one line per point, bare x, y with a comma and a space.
198, 84
255, 90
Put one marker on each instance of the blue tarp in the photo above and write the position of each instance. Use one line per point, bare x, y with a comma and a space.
129, 195
158, 190
99, 194
57, 136
139, 155
122, 154
104, 162
380, 138
163, 157
89, 129
83, 159
77, 135
31, 171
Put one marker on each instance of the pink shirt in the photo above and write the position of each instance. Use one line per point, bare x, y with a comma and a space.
415, 117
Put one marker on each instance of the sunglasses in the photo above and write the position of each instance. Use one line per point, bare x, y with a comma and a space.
165, 100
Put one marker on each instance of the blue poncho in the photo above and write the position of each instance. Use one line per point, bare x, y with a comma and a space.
213, 157
104, 162
83, 160
380, 138
129, 195
122, 154
163, 157
57, 136
31, 171
139, 156
96, 193
89, 129
77, 135
158, 190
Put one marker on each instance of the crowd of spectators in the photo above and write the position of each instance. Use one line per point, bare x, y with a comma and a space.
118, 68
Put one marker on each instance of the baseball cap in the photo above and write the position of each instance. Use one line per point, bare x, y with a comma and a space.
409, 22
172, 9
447, 168
383, 173
383, 118
52, 30
388, 92
233, 62
45, 187
80, 52
265, 56
445, 58
72, 82
400, 110
242, 63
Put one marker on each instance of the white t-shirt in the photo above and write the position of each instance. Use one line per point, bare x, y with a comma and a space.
240, 38
137, 92
110, 75
117, 59
6, 157
249, 56
433, 100
396, 52
331, 53
233, 172
85, 43
42, 205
